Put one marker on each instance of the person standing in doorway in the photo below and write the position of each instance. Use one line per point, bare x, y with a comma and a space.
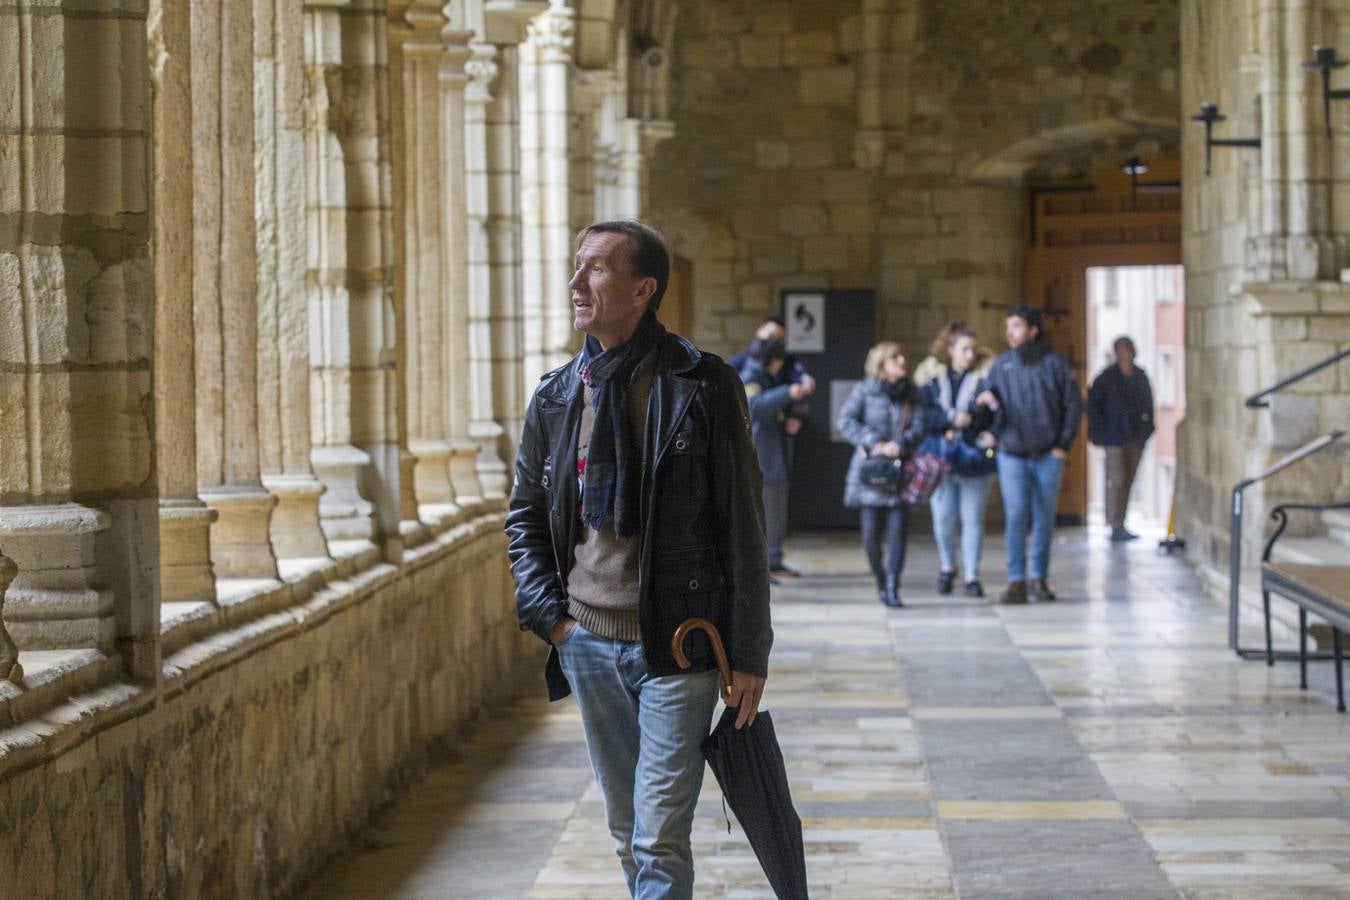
1035, 395
1120, 420
769, 401
884, 415
637, 505
963, 494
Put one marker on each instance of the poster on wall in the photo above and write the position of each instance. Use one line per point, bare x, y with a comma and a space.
804, 315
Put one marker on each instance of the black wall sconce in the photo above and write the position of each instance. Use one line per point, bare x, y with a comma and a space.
1134, 168
1209, 114
1324, 60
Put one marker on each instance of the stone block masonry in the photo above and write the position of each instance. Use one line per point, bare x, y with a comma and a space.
263, 749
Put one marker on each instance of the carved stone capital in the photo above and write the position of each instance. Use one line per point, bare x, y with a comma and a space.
482, 71
554, 33
455, 55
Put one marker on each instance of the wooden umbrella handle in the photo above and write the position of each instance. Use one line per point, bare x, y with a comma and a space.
719, 651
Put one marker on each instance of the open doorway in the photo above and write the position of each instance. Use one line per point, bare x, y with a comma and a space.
1146, 304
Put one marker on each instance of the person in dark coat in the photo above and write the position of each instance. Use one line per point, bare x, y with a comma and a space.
884, 415
636, 506
1035, 395
1120, 420
964, 492
770, 401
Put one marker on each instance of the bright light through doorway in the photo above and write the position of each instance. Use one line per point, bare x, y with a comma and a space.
1146, 303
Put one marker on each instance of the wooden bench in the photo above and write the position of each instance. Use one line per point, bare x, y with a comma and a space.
1323, 590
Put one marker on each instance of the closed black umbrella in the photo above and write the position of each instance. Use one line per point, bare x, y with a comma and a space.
749, 768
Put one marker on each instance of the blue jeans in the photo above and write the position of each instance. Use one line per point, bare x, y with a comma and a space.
643, 735
961, 497
1030, 487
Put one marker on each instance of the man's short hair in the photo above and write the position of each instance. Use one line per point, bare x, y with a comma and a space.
776, 320
1031, 315
1124, 339
647, 252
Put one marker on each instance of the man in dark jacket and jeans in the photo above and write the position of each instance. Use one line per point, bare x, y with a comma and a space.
1120, 420
636, 505
1036, 396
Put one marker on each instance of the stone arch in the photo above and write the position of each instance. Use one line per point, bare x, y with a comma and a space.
1079, 141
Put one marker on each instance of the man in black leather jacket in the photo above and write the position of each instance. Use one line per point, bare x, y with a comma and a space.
636, 506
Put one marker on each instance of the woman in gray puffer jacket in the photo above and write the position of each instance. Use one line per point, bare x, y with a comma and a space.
884, 415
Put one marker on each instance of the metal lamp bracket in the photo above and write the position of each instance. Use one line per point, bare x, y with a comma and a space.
1324, 60
1209, 114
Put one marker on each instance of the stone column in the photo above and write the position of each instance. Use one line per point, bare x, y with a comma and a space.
283, 339
1296, 242
184, 520
546, 239
79, 510
224, 285
511, 388
463, 449
420, 243
345, 513
371, 326
483, 426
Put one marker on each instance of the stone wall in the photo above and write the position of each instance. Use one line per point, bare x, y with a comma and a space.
884, 144
267, 747
1264, 247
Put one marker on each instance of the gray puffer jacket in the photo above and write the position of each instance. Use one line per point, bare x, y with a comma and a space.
871, 416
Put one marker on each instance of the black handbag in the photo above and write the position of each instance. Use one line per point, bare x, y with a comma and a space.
882, 473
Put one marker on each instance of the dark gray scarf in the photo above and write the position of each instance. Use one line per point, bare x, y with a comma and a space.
611, 480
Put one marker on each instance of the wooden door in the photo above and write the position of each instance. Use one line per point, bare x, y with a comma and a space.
677, 306
1073, 229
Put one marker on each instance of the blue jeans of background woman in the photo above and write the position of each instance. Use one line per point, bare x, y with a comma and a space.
883, 532
961, 498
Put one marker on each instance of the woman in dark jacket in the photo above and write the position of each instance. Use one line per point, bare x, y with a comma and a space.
884, 415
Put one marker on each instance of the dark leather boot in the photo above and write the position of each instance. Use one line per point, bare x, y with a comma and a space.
890, 593
1015, 594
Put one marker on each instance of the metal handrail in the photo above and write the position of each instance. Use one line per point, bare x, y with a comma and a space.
1235, 533
1259, 400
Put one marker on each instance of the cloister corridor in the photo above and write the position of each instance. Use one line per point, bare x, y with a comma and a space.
1107, 745
279, 282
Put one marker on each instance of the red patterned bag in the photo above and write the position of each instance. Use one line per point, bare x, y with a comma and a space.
922, 474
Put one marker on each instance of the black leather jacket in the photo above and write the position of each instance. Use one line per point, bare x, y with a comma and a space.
702, 550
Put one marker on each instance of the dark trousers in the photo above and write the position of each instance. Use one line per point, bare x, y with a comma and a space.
885, 525
1121, 464
775, 519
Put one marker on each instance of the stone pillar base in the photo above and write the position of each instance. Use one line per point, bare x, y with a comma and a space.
407, 487
464, 474
491, 470
55, 601
344, 514
185, 571
295, 522
9, 651
431, 475
241, 539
